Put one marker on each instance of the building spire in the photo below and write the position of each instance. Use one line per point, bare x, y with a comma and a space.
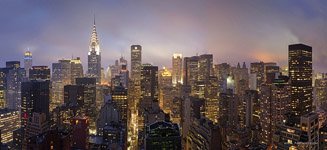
94, 42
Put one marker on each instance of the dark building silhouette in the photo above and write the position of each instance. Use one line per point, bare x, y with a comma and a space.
35, 98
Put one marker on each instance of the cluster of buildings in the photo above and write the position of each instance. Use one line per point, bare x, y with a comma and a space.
194, 104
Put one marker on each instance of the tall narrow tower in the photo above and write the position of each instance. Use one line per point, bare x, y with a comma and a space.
27, 62
94, 56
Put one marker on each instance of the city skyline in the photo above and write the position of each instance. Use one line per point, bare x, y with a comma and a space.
61, 30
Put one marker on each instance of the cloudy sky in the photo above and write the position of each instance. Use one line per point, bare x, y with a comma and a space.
238, 30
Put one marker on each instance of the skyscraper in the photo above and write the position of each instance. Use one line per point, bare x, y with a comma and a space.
177, 69
94, 56
28, 62
149, 86
15, 76
300, 73
35, 98
61, 76
136, 63
76, 69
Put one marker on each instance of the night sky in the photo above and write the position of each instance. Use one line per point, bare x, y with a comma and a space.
238, 30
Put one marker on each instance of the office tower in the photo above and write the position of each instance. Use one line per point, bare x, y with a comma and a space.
190, 70
119, 96
222, 71
80, 133
9, 122
136, 62
39, 73
251, 108
204, 134
205, 67
90, 97
74, 95
211, 99
35, 98
94, 56
300, 73
241, 77
28, 62
149, 86
124, 76
61, 76
2, 96
291, 135
3, 86
177, 63
196, 72
258, 68
163, 135
14, 78
274, 106
228, 109
320, 93
76, 69
165, 90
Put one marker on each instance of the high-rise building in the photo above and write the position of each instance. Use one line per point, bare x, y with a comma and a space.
39, 73
177, 76
136, 62
90, 97
300, 73
228, 109
61, 76
35, 98
163, 135
274, 106
76, 69
258, 68
9, 122
149, 86
28, 62
74, 95
165, 89
119, 96
15, 76
320, 93
222, 71
94, 56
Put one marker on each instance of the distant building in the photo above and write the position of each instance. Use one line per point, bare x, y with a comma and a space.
39, 73
177, 63
28, 62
